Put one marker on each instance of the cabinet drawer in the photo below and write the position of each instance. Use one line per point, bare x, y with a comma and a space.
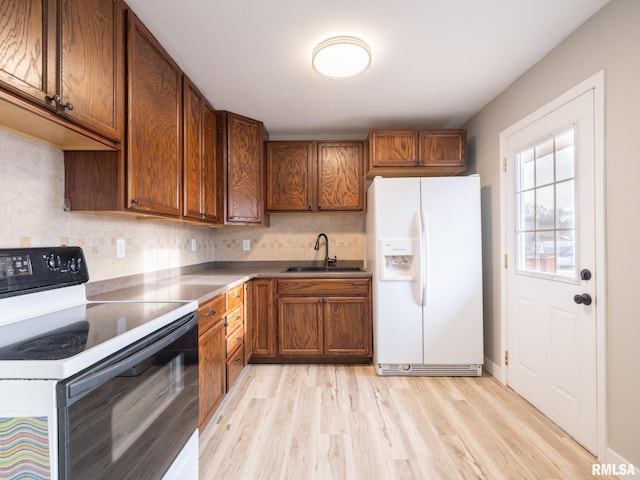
235, 297
234, 340
210, 312
332, 287
235, 364
235, 319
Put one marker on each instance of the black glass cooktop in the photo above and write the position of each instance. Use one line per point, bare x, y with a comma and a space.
68, 332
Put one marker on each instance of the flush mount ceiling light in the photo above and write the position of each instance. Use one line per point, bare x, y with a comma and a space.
341, 57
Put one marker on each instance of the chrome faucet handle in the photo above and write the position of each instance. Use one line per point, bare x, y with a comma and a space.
331, 262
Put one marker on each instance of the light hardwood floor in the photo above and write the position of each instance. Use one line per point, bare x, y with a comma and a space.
344, 422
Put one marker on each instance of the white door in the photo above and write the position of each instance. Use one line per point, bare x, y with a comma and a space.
551, 273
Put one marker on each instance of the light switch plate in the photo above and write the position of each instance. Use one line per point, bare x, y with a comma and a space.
246, 245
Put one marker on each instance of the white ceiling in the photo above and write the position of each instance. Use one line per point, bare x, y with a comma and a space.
435, 63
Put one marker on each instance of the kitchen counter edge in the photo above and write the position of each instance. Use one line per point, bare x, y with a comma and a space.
204, 285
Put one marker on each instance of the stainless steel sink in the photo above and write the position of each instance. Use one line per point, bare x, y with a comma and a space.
323, 269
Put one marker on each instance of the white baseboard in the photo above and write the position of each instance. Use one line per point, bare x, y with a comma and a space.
614, 458
494, 370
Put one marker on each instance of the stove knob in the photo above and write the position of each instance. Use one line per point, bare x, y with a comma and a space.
75, 265
53, 262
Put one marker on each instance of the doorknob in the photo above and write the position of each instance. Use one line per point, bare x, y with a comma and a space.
584, 299
585, 274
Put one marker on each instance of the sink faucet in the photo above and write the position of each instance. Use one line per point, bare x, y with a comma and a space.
327, 261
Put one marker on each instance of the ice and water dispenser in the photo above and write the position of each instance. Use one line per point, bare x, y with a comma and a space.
397, 260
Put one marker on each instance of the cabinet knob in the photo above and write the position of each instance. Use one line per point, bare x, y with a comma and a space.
55, 98
134, 201
68, 106
211, 313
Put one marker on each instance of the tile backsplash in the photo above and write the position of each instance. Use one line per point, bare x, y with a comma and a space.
32, 214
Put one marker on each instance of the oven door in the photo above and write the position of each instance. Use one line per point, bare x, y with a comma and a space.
129, 416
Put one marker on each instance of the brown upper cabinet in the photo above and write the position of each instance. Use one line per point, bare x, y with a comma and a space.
62, 60
201, 175
417, 152
315, 176
154, 127
145, 177
241, 149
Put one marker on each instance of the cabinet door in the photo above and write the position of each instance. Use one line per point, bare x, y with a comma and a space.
28, 49
154, 154
393, 148
299, 326
290, 174
212, 368
341, 183
192, 151
261, 332
443, 148
245, 170
91, 56
211, 176
347, 326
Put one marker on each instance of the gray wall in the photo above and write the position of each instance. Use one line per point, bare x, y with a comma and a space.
610, 40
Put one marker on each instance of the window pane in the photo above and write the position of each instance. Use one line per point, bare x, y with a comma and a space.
546, 206
546, 252
565, 205
528, 210
544, 170
527, 170
528, 251
545, 211
564, 164
565, 255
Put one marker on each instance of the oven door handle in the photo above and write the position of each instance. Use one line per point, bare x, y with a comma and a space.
77, 388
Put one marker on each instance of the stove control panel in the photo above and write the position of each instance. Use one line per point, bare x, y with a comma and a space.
25, 270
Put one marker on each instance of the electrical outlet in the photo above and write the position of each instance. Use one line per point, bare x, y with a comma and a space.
194, 245
246, 245
120, 243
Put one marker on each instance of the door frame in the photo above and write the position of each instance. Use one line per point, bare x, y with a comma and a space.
596, 83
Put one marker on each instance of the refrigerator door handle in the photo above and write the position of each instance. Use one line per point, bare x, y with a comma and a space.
424, 257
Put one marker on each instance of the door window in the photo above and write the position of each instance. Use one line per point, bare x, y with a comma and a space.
545, 192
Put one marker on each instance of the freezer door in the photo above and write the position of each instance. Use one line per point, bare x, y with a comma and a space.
452, 265
392, 212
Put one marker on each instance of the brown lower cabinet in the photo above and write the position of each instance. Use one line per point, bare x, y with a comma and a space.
311, 320
212, 361
234, 330
220, 347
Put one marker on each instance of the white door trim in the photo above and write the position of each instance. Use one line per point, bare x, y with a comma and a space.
596, 83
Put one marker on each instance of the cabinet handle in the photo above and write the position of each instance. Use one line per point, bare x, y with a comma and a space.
226, 324
238, 317
237, 296
237, 361
319, 207
308, 207
237, 340
211, 313
134, 201
56, 98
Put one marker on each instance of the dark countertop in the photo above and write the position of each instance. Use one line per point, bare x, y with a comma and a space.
203, 285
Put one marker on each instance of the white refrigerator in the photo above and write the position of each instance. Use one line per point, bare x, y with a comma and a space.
423, 245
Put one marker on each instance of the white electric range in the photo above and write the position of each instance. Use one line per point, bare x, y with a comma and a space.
95, 390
